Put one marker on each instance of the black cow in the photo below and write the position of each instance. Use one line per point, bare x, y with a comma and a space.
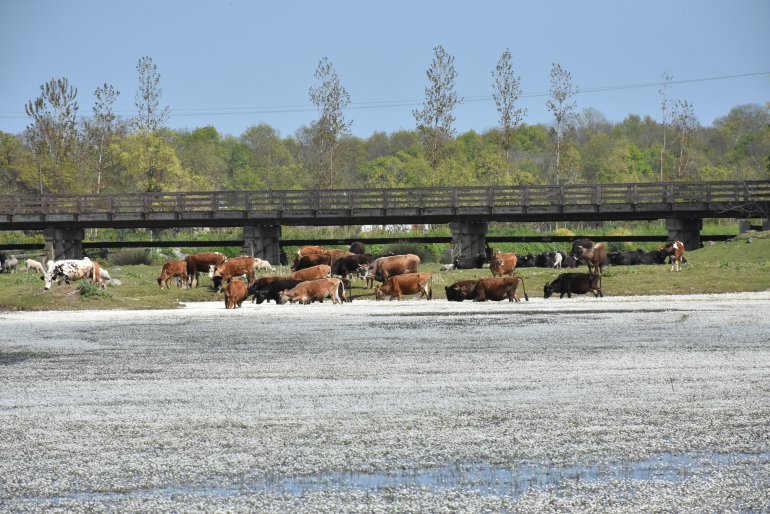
567, 261
578, 283
652, 257
462, 290
525, 261
627, 258
583, 243
476, 262
351, 264
271, 291
357, 247
544, 260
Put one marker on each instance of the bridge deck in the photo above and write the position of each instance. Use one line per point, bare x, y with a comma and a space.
389, 206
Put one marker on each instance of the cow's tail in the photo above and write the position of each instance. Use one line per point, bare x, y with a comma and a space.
524, 288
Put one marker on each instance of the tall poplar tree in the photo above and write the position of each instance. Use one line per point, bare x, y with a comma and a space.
506, 90
330, 98
664, 114
434, 120
150, 116
561, 106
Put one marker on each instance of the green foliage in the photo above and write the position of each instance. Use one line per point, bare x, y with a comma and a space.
90, 290
403, 247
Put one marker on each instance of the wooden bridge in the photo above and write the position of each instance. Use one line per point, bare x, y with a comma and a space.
262, 213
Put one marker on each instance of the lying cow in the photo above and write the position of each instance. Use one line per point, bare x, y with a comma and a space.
498, 289
461, 290
314, 291
174, 269
578, 283
407, 283
674, 250
475, 262
235, 293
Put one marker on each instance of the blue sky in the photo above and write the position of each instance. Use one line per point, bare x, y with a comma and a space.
232, 64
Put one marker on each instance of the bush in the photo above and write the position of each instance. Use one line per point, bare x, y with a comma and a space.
563, 232
131, 256
89, 290
401, 248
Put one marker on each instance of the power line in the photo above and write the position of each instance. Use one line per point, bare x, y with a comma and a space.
387, 104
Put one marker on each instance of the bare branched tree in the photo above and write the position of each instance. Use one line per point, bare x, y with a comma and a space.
150, 116
434, 120
664, 114
683, 119
100, 130
330, 98
506, 90
562, 108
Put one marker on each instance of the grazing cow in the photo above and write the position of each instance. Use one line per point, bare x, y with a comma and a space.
407, 283
335, 255
503, 264
173, 269
235, 293
269, 288
233, 268
351, 264
462, 290
385, 267
201, 262
307, 250
578, 283
11, 264
313, 273
35, 265
476, 262
595, 257
580, 243
68, 270
261, 264
314, 291
498, 289
314, 259
357, 247
675, 250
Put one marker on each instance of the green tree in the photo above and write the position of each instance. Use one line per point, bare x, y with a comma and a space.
685, 123
100, 130
149, 164
506, 91
434, 120
330, 98
562, 107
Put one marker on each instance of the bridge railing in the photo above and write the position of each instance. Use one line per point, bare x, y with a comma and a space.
303, 201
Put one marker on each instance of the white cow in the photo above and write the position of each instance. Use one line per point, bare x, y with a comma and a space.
35, 265
10, 264
72, 269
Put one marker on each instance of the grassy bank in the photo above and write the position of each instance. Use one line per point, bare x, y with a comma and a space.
734, 266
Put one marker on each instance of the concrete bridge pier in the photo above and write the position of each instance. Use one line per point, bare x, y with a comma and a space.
263, 242
64, 243
468, 239
686, 230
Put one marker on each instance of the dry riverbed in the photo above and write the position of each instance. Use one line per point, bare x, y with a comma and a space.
614, 404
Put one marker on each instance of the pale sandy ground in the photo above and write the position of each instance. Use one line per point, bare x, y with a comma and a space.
614, 404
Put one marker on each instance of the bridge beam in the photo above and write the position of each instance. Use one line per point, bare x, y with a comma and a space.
468, 239
64, 243
263, 242
686, 230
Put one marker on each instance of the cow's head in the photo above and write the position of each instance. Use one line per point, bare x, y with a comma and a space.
381, 291
283, 297
547, 291
48, 279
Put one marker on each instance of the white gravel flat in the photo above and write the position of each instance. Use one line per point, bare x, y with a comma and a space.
657, 403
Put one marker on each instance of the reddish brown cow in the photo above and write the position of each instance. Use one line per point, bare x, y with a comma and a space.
675, 250
308, 261
385, 267
307, 250
498, 289
235, 293
314, 291
235, 267
335, 255
201, 262
503, 264
313, 273
594, 257
173, 269
408, 283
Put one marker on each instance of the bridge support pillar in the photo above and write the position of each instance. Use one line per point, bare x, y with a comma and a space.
468, 239
686, 230
64, 243
263, 242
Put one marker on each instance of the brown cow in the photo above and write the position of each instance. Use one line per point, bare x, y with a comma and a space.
408, 283
307, 250
675, 250
173, 269
594, 257
233, 268
335, 255
503, 264
313, 273
201, 262
314, 291
235, 293
385, 267
461, 290
308, 261
498, 289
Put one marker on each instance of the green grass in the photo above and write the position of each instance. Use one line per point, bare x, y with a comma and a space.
724, 267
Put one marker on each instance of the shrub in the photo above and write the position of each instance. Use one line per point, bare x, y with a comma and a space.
131, 256
401, 248
89, 290
565, 232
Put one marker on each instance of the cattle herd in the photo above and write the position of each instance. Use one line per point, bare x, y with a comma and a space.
318, 274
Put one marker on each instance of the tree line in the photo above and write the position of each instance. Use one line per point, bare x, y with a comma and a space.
61, 151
